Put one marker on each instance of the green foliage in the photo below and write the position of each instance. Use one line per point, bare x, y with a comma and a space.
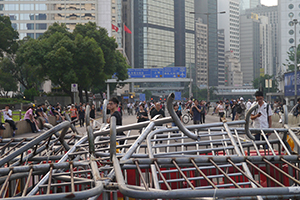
8, 36
148, 94
259, 83
291, 59
7, 83
30, 94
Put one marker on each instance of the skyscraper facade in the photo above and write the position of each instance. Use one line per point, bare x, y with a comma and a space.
221, 57
201, 54
207, 10
163, 33
288, 10
230, 23
272, 13
32, 18
247, 4
256, 54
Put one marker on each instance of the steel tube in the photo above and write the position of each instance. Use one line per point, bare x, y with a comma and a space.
113, 135
248, 115
33, 142
176, 119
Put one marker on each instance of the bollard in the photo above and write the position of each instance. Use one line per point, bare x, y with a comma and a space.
20, 115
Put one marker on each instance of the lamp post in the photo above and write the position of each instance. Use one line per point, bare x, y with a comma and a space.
207, 43
295, 63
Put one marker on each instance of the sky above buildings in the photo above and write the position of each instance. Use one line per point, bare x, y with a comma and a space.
269, 2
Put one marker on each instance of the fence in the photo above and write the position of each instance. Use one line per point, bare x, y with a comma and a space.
218, 160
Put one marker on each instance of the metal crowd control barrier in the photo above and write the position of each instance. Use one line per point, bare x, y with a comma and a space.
217, 160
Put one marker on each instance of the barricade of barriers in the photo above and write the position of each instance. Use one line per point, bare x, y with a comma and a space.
217, 160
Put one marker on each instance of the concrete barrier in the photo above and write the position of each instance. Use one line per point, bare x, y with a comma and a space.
24, 127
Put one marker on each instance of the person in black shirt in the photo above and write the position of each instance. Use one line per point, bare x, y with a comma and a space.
142, 114
93, 112
81, 114
157, 111
113, 107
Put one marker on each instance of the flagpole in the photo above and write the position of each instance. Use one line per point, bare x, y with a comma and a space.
123, 39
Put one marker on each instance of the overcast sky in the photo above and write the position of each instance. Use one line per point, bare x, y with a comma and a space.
269, 2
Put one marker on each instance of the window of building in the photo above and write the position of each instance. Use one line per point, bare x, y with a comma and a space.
291, 32
291, 40
291, 6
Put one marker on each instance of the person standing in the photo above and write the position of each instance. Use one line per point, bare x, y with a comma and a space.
248, 104
93, 112
81, 114
241, 108
196, 112
142, 114
74, 113
203, 111
262, 116
220, 108
233, 110
7, 115
157, 111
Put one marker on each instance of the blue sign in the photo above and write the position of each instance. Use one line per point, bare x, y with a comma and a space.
142, 97
157, 72
289, 84
174, 72
178, 96
125, 97
139, 73
166, 72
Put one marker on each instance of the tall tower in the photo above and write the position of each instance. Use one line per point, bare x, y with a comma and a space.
207, 10
230, 23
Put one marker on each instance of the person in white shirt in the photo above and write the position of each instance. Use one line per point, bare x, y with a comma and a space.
7, 115
248, 104
262, 115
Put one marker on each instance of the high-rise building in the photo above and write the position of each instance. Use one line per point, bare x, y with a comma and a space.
116, 19
272, 13
127, 18
207, 10
233, 72
32, 18
288, 10
230, 23
247, 4
250, 48
163, 33
221, 57
201, 54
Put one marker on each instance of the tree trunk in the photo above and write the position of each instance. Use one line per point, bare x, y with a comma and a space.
86, 96
80, 94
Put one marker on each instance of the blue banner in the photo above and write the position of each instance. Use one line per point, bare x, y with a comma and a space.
142, 97
178, 96
166, 72
289, 84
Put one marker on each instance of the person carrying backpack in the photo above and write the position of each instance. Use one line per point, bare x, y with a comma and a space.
240, 109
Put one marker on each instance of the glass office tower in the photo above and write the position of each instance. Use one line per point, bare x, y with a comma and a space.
32, 18
163, 33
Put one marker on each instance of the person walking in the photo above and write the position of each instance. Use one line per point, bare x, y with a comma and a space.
196, 109
262, 116
157, 111
220, 109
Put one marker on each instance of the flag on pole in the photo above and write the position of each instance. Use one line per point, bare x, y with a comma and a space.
114, 27
127, 30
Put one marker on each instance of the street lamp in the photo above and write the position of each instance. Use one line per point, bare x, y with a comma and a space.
207, 35
295, 62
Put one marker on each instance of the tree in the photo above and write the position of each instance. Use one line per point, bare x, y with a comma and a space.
23, 67
291, 59
8, 36
259, 83
148, 94
7, 83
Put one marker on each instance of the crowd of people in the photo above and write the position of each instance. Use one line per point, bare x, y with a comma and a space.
144, 111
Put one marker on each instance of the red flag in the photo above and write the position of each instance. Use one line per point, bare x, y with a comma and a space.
127, 30
114, 27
